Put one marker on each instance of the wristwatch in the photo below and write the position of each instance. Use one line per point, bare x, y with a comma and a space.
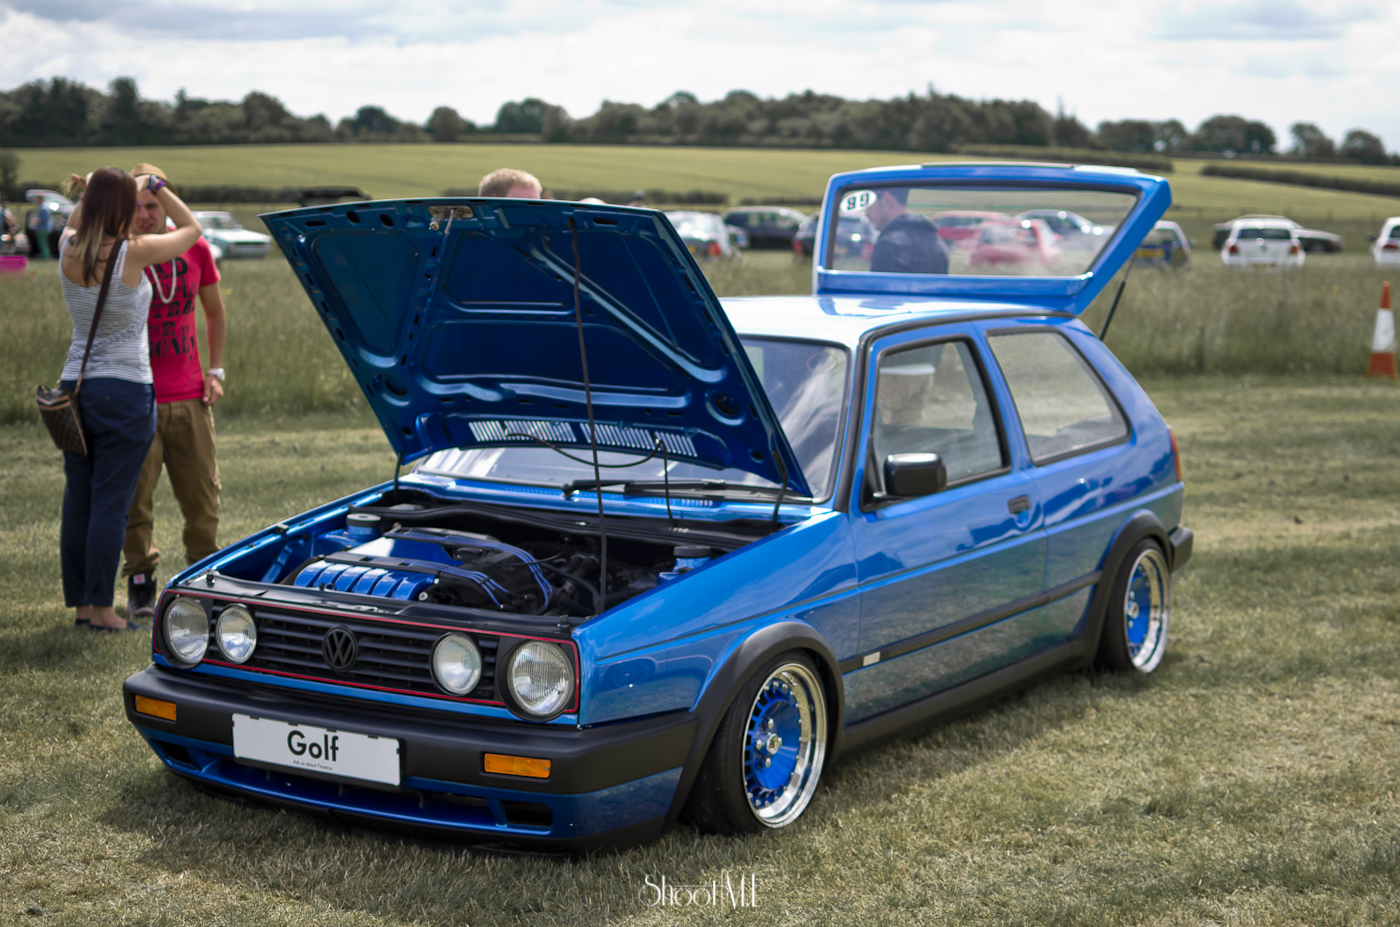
215, 372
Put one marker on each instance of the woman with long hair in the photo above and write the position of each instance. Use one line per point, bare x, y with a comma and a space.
117, 399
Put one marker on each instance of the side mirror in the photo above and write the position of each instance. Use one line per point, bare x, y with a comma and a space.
1371, 237
1191, 242
915, 474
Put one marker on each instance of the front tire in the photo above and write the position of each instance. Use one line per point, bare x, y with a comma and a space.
766, 759
1134, 637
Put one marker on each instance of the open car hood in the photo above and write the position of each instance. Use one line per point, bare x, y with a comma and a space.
456, 317
1150, 196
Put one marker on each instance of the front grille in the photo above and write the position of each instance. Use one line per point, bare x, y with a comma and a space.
390, 656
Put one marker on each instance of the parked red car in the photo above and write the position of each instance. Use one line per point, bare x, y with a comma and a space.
959, 226
1014, 242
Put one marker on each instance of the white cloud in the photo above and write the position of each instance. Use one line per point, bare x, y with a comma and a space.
1247, 20
1280, 60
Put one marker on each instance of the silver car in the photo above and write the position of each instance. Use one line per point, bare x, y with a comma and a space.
228, 239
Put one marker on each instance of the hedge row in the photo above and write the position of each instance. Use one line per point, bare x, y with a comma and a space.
1143, 162
1304, 179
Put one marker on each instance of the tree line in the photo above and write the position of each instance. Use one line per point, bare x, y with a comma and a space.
61, 113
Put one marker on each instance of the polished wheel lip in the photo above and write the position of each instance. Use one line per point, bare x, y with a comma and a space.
1147, 610
784, 744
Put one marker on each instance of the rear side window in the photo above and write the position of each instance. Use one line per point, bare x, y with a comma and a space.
1266, 234
1395, 231
930, 399
1062, 406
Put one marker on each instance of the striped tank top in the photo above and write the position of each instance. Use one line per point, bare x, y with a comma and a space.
121, 349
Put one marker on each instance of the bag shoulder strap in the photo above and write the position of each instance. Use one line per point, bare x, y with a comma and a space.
97, 313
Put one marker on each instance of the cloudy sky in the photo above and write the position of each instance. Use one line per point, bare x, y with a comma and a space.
1333, 63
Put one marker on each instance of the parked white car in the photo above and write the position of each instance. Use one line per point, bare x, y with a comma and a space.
228, 239
1386, 249
1267, 241
1311, 239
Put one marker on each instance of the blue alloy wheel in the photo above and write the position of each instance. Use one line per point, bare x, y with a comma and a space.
766, 758
1139, 612
785, 744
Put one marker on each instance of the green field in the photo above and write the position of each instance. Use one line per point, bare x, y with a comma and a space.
426, 170
1206, 319
1250, 781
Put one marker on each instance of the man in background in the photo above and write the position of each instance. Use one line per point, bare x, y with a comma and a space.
43, 224
185, 396
510, 182
908, 243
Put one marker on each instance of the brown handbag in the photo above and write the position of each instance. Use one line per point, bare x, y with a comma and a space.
58, 407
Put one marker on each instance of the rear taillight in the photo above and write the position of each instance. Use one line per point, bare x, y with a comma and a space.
1176, 454
1390, 246
1234, 249
713, 249
1292, 249
797, 247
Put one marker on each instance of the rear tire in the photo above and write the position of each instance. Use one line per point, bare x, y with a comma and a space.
766, 759
1134, 636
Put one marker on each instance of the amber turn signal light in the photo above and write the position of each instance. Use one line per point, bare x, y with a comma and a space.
517, 766
154, 706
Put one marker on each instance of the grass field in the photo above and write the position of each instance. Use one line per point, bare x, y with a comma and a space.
1207, 319
427, 170
1250, 781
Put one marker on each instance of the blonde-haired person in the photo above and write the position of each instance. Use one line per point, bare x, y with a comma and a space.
510, 182
117, 399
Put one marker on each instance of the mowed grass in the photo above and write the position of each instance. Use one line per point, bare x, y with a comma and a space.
386, 171
1251, 780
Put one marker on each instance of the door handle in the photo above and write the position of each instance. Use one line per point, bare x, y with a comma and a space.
1018, 505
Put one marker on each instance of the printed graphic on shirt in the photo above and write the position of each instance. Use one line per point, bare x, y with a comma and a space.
172, 325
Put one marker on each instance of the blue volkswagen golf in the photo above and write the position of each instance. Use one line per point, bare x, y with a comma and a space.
659, 558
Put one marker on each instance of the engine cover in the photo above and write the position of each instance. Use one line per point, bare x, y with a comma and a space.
436, 565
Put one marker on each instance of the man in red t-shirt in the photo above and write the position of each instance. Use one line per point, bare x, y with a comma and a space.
185, 395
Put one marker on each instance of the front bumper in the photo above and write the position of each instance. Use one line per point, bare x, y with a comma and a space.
608, 786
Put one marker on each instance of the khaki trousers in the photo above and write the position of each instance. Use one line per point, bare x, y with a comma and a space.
184, 446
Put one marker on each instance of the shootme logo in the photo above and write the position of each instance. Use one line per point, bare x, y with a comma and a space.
734, 892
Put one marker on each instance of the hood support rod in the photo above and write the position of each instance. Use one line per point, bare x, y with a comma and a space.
601, 600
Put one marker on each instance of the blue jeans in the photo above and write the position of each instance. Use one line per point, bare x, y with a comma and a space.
119, 420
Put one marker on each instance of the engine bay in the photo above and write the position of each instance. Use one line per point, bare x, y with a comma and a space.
435, 551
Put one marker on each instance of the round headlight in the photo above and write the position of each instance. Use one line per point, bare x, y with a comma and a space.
236, 633
456, 664
187, 630
540, 678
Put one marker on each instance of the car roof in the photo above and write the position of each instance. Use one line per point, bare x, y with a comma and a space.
847, 319
212, 212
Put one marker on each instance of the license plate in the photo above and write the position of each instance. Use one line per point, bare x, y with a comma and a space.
316, 749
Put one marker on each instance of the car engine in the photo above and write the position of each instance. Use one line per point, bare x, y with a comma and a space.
453, 567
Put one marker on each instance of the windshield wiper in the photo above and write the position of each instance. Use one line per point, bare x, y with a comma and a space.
644, 487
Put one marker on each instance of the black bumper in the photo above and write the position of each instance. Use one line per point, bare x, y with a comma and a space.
605, 783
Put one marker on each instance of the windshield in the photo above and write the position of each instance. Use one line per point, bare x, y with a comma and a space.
934, 229
805, 383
